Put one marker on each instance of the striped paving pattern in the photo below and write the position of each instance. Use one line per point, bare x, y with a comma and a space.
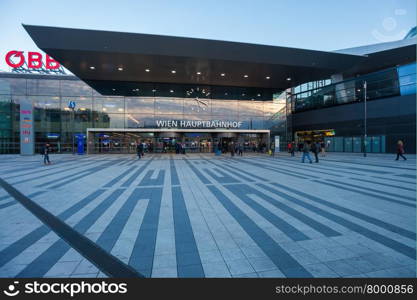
199, 215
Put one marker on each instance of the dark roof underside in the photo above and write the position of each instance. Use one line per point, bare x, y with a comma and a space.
78, 50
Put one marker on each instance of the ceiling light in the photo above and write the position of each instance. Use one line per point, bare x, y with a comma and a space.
92, 68
104, 109
288, 78
147, 70
259, 95
120, 109
198, 73
171, 91
154, 90
225, 94
222, 74
267, 77
246, 76
173, 71
113, 90
120, 68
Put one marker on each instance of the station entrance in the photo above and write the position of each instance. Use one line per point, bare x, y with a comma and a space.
119, 141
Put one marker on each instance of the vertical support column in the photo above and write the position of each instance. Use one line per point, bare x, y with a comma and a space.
27, 143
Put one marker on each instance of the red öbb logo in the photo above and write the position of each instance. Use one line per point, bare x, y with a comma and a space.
34, 60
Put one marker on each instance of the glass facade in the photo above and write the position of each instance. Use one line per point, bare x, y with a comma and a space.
55, 123
386, 83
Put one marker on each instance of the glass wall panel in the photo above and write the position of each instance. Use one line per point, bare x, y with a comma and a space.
251, 108
13, 86
75, 88
197, 106
43, 87
46, 102
144, 105
224, 108
5, 103
109, 104
140, 120
168, 106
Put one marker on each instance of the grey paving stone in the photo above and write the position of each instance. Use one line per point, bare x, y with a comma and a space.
239, 266
216, 270
271, 274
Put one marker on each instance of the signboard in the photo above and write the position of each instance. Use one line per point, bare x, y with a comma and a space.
71, 104
277, 143
32, 62
198, 124
26, 128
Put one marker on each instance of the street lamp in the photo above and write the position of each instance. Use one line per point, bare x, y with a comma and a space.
365, 118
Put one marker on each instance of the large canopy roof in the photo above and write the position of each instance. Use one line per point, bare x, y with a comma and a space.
94, 55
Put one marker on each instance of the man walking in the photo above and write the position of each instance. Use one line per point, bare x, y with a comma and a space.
306, 152
292, 148
45, 152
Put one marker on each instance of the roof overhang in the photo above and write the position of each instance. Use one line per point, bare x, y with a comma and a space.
79, 49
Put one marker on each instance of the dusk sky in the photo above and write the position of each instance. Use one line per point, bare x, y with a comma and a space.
320, 25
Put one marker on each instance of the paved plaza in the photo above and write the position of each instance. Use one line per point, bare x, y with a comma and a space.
199, 215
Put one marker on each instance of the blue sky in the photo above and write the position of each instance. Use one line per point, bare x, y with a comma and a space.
311, 24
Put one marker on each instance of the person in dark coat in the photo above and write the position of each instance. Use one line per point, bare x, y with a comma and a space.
400, 150
315, 148
45, 152
306, 152
292, 148
139, 149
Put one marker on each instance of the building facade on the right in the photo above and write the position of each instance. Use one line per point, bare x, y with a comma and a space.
333, 110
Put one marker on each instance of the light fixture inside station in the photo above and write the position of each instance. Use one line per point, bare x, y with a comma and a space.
120, 68
113, 90
92, 68
171, 91
147, 70
154, 90
198, 73
173, 71
246, 76
288, 78
267, 77
222, 74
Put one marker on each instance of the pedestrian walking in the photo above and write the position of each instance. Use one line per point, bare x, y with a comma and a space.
323, 148
45, 152
139, 150
400, 150
315, 148
240, 148
232, 149
306, 152
292, 148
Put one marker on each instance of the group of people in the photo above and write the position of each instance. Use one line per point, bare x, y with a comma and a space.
235, 148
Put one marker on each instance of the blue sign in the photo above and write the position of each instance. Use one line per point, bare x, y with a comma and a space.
71, 104
80, 143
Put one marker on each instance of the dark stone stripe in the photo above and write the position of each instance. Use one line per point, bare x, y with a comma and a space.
147, 181
188, 258
135, 175
287, 265
384, 184
368, 164
242, 192
200, 176
43, 263
364, 192
390, 243
7, 204
364, 217
89, 172
144, 248
110, 235
221, 179
407, 176
395, 179
105, 262
413, 199
174, 175
65, 177
277, 170
32, 237
290, 163
231, 169
236, 173
48, 174
120, 177
39, 165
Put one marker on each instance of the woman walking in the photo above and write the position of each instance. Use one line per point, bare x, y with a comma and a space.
400, 150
